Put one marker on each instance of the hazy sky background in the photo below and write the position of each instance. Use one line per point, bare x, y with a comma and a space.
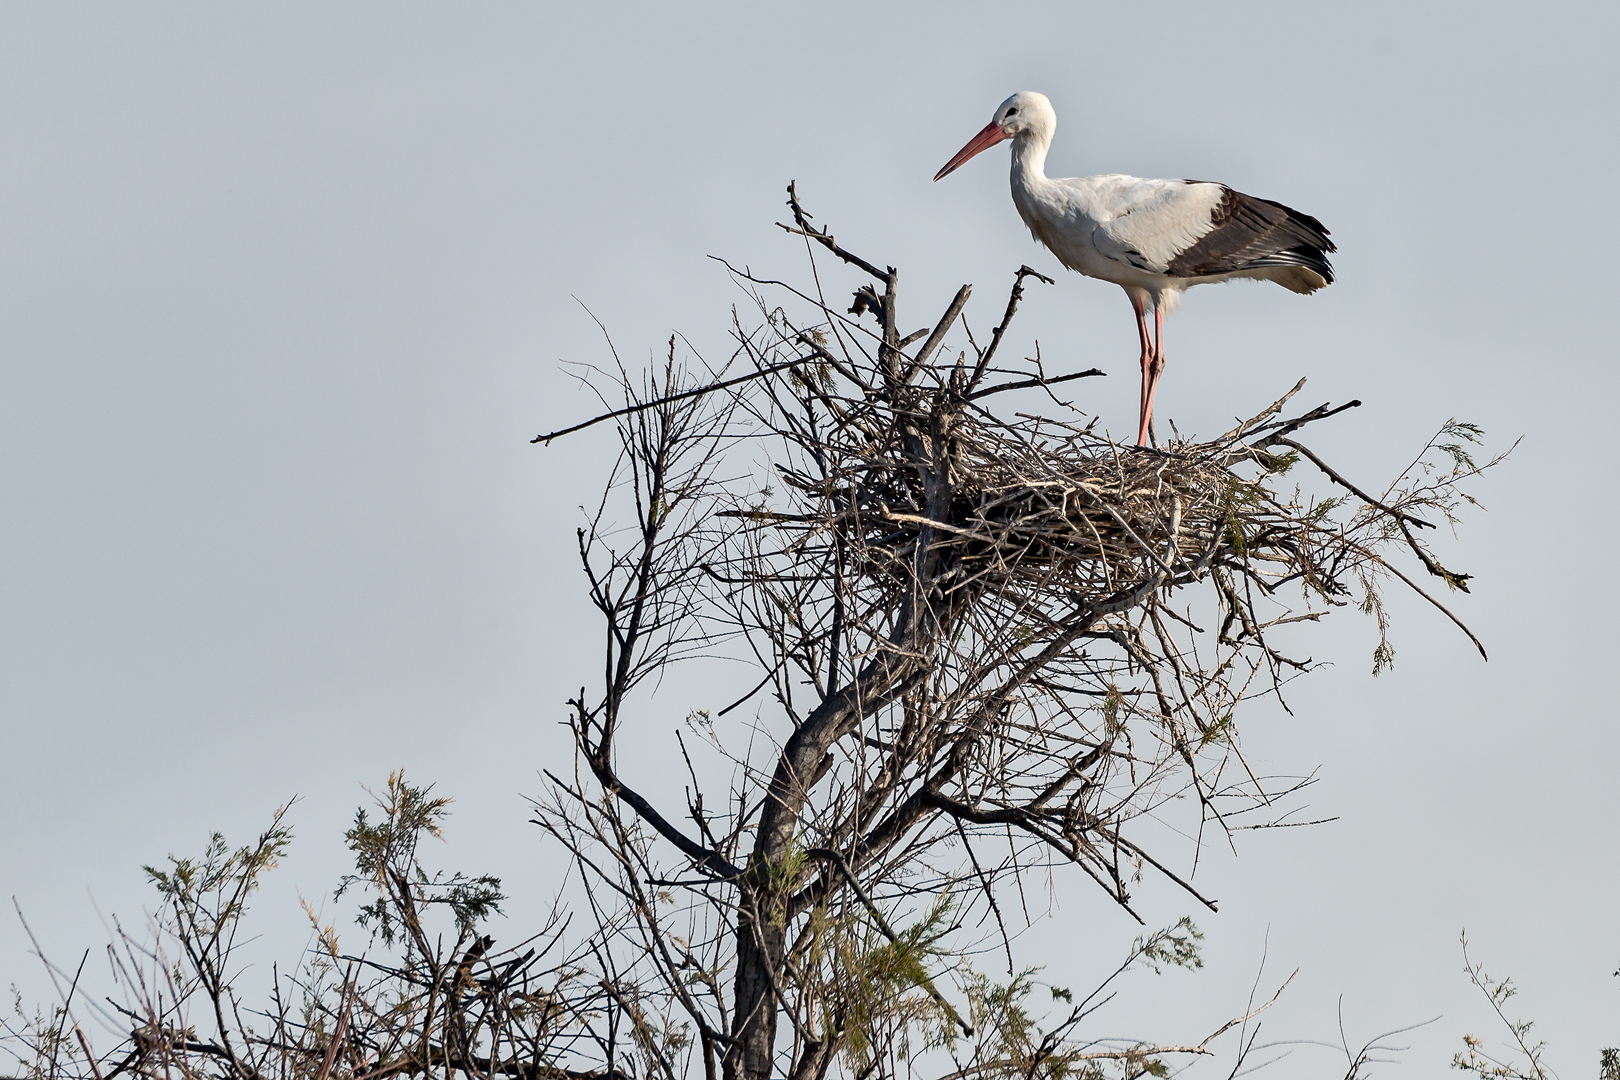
284, 292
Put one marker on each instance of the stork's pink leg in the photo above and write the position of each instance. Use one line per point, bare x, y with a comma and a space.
1142, 403
1151, 370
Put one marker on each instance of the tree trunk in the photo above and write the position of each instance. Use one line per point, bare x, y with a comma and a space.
761, 942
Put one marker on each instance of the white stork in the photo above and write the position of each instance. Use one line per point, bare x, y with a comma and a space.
1153, 238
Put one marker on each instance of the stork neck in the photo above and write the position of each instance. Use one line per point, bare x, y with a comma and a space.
1029, 159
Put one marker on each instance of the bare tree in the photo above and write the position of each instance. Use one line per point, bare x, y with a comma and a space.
985, 642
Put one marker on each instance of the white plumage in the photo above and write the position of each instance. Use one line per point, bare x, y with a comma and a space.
1153, 238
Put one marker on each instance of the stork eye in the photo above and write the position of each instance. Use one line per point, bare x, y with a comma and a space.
1013, 111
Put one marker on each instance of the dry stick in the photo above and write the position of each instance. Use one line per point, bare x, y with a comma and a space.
833, 318
88, 1054
1270, 410
768, 675
989, 891
1026, 383
1012, 306
1348, 486
1456, 581
1213, 905
823, 237
944, 324
682, 396
821, 305
1443, 609
50, 970
341, 1029
1321, 412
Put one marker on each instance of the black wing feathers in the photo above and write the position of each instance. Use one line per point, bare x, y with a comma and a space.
1250, 233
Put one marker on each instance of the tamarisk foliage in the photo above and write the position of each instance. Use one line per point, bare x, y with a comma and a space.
431, 996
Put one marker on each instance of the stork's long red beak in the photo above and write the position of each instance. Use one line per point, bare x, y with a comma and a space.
984, 140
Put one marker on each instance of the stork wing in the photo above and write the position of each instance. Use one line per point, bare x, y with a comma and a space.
1247, 233
1148, 223
1190, 229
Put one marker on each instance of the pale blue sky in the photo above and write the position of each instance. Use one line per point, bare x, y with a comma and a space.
284, 292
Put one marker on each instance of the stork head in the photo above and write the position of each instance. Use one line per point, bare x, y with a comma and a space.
1025, 113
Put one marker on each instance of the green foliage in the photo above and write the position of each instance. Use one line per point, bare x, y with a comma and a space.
1321, 508
217, 885
445, 1006
1176, 945
1112, 724
1234, 538
45, 1039
1462, 459
1218, 732
385, 858
658, 1039
1383, 657
1384, 653
815, 375
1280, 463
207, 896
1014, 1043
1473, 1058
879, 979
1242, 496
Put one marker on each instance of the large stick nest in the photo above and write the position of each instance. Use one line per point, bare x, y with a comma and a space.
1041, 505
